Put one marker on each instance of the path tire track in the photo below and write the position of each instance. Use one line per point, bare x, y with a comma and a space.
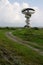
20, 41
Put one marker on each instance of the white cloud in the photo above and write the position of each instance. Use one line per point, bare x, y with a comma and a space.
10, 14
37, 18
25, 5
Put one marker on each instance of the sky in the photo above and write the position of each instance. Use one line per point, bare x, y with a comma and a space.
11, 15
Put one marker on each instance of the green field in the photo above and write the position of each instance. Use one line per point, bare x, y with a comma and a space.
13, 53
31, 35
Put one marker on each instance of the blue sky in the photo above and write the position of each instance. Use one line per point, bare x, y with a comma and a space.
38, 3
10, 12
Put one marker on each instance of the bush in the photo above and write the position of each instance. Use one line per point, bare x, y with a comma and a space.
36, 28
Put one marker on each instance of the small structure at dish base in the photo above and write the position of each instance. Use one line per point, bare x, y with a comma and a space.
28, 12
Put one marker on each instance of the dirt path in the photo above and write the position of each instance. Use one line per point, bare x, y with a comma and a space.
20, 41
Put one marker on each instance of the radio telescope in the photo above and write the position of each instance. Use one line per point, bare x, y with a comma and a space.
28, 12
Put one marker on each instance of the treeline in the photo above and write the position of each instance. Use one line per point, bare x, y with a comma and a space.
14, 28
10, 28
37, 28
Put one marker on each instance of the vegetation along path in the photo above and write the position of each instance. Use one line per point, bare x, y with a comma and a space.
20, 41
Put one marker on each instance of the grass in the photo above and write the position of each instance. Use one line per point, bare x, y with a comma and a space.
34, 36
12, 53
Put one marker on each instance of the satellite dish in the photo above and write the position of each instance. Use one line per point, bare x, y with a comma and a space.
28, 12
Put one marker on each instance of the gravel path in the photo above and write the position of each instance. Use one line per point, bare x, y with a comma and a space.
20, 41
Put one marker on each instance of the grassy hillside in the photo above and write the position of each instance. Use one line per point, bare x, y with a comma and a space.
30, 35
12, 53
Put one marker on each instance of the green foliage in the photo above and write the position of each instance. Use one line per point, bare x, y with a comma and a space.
35, 28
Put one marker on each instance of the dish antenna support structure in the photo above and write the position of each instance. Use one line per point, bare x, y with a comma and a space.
28, 12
